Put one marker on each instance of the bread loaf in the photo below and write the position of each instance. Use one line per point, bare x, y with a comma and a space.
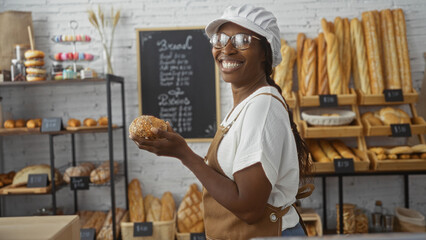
323, 87
9, 123
389, 115
21, 177
84, 216
400, 150
346, 56
419, 148
106, 230
309, 64
359, 57
168, 207
392, 77
81, 170
378, 24
343, 150
20, 123
154, 211
102, 173
103, 121
190, 213
136, 207
282, 68
96, 221
402, 50
72, 122
326, 26
334, 71
317, 152
371, 119
288, 83
89, 122
299, 49
31, 124
329, 150
147, 202
142, 125
373, 53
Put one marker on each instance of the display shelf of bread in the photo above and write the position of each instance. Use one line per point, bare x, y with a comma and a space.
20, 179
161, 212
88, 124
283, 73
101, 222
49, 82
398, 158
312, 222
98, 176
324, 151
21, 126
378, 123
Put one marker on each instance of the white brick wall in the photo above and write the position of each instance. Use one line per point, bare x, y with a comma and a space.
164, 174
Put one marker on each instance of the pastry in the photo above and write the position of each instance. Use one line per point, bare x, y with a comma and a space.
373, 53
89, 122
323, 87
309, 64
72, 122
141, 126
31, 54
9, 124
81, 170
190, 213
359, 57
402, 50
168, 207
154, 212
334, 71
136, 207
102, 173
31, 124
343, 150
299, 50
329, 150
317, 153
21, 177
404, 156
103, 121
20, 123
392, 77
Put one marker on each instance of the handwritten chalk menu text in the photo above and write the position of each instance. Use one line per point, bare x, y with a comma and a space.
177, 80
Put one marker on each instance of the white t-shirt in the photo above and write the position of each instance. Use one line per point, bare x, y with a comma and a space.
262, 133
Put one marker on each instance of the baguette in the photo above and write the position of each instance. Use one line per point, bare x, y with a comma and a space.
147, 202
334, 70
85, 216
106, 230
359, 58
136, 206
154, 212
344, 150
373, 53
96, 221
378, 24
288, 83
402, 50
300, 43
339, 34
389, 51
168, 207
329, 150
309, 67
323, 87
281, 69
346, 56
317, 153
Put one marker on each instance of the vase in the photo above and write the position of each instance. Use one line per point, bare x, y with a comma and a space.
108, 61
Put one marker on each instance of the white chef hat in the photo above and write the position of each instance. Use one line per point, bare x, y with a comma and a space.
256, 19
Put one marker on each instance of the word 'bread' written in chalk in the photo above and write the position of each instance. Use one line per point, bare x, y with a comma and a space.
165, 46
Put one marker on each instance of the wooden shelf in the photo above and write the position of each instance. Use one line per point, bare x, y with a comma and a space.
291, 101
379, 99
342, 99
52, 82
36, 131
418, 126
359, 166
353, 130
23, 190
396, 164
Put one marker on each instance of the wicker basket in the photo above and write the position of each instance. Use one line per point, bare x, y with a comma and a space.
164, 230
182, 236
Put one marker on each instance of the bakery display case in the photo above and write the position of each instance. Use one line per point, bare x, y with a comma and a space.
109, 82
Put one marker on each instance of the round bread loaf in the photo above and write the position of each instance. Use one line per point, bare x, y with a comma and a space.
141, 126
89, 122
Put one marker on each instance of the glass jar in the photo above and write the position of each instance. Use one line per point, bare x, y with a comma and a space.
348, 218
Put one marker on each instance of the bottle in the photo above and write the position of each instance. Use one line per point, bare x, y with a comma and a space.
377, 216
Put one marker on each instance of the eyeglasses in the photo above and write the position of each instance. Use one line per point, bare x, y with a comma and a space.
240, 41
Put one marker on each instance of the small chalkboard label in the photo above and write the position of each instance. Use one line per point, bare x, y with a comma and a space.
79, 183
37, 180
197, 236
51, 125
327, 100
393, 95
142, 229
401, 130
87, 234
344, 165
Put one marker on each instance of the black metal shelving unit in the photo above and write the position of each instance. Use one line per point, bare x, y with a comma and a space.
108, 81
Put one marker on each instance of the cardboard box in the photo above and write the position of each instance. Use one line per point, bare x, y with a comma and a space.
40, 228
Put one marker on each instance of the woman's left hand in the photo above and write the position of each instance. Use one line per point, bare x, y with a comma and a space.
169, 143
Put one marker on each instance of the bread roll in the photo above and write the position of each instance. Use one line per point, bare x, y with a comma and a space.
168, 207
371, 119
20, 123
103, 121
309, 64
402, 50
89, 122
346, 55
299, 49
329, 150
323, 87
141, 126
334, 71
81, 170
392, 77
38, 122
72, 122
372, 44
317, 153
31, 124
9, 124
154, 212
423, 156
359, 57
21, 176
102, 173
190, 213
136, 207
344, 150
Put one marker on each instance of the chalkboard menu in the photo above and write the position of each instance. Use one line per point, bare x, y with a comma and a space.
178, 81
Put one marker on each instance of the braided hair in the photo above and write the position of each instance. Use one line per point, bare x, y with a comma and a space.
305, 164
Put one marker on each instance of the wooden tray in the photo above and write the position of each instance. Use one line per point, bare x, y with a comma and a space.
24, 190
353, 130
379, 99
309, 215
418, 126
19, 131
396, 164
359, 166
291, 101
342, 99
85, 128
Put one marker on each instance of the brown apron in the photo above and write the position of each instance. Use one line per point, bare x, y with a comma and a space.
220, 223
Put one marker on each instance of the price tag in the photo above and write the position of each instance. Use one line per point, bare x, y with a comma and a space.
344, 165
328, 100
79, 183
197, 236
401, 130
37, 180
87, 234
51, 125
393, 95
142, 229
